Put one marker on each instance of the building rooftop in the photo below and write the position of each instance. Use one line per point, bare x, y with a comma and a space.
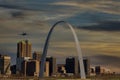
24, 41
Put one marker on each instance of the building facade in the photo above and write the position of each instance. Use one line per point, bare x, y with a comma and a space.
72, 65
24, 48
52, 65
24, 52
86, 62
5, 64
19, 63
30, 68
37, 56
46, 71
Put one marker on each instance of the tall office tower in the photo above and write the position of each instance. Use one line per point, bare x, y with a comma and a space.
24, 49
72, 65
5, 64
37, 56
52, 65
86, 62
23, 53
30, 68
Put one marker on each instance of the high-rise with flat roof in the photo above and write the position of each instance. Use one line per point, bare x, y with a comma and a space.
72, 65
30, 68
86, 62
52, 65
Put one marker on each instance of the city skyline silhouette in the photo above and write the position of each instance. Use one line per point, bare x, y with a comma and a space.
96, 23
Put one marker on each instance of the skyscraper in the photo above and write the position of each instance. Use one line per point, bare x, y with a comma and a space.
52, 65
24, 49
72, 65
23, 53
86, 62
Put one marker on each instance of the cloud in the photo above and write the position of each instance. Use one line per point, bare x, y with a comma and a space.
8, 6
16, 14
103, 26
64, 10
110, 7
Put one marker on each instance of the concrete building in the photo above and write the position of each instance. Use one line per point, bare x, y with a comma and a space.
5, 64
30, 68
24, 48
37, 56
52, 65
46, 73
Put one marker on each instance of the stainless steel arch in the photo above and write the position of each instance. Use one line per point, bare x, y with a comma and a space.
43, 58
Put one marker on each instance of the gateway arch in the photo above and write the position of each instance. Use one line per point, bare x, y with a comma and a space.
80, 58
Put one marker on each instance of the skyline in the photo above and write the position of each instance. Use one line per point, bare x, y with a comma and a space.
101, 42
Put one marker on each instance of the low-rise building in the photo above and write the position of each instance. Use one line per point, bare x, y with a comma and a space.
5, 64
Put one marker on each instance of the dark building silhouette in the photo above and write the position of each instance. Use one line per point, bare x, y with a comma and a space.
30, 68
101, 70
52, 65
97, 70
13, 69
72, 65
86, 62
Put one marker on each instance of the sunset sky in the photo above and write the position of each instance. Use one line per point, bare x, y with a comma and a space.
96, 22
